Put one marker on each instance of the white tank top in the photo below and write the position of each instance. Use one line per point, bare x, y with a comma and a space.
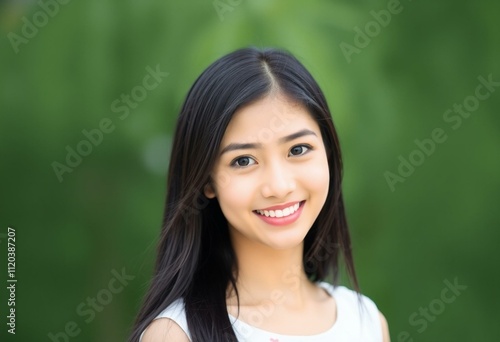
354, 323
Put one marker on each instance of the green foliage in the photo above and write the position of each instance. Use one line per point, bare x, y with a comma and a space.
436, 223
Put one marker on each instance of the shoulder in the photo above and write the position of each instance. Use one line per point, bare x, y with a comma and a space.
352, 303
169, 325
385, 328
164, 330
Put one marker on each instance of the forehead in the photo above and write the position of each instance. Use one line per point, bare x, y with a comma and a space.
268, 119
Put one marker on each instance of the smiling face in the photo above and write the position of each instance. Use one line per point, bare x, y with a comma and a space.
271, 178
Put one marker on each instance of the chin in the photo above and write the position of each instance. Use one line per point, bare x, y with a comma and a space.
286, 241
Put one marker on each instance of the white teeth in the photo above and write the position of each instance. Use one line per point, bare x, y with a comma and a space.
280, 213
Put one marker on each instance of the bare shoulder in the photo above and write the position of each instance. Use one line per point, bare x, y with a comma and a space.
164, 330
385, 328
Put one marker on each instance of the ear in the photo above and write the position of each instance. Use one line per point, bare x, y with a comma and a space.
209, 191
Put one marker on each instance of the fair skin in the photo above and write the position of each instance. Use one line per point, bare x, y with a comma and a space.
274, 292
164, 330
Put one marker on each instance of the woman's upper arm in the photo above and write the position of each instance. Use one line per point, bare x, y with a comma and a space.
164, 330
385, 329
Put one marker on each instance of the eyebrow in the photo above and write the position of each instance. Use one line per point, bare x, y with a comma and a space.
246, 146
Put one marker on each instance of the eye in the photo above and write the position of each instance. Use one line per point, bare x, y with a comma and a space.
299, 150
242, 162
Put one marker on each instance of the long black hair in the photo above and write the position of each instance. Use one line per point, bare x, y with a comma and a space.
195, 259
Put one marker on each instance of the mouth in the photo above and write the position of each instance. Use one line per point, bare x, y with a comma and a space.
284, 212
281, 216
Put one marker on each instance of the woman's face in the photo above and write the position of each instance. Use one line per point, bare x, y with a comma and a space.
271, 177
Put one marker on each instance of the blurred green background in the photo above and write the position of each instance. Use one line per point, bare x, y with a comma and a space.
64, 64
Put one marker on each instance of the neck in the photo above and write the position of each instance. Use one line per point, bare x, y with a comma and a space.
267, 274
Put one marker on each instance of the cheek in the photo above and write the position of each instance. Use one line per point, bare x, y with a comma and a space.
235, 201
236, 194
317, 177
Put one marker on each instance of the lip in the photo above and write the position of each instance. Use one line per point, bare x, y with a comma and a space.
282, 221
281, 206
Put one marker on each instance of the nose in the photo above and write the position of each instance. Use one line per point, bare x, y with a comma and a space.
278, 180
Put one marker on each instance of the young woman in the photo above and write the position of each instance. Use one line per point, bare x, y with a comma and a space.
254, 219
